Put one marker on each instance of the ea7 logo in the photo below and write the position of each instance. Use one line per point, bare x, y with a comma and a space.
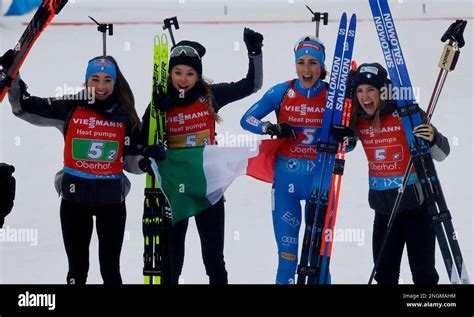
290, 219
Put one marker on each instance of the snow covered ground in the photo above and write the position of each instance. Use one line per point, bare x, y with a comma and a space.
59, 58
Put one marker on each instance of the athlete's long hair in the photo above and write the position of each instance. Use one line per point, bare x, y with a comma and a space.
209, 100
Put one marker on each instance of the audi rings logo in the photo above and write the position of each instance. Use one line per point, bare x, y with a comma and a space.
289, 240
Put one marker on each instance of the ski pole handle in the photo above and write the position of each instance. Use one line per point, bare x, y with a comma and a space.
455, 35
449, 57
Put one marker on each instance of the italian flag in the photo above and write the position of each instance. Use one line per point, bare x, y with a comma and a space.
195, 178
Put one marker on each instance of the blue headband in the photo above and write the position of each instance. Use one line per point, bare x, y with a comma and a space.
101, 65
311, 48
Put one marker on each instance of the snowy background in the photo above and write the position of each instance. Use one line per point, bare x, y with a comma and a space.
60, 56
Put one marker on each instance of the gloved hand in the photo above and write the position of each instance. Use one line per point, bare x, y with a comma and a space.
6, 61
425, 131
162, 100
281, 130
253, 41
7, 190
156, 151
344, 135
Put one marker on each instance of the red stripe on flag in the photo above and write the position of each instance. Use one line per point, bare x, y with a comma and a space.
262, 166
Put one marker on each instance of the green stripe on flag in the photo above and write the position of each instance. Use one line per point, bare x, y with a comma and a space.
195, 178
184, 183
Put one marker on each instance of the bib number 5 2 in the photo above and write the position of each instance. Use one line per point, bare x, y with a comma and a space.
96, 151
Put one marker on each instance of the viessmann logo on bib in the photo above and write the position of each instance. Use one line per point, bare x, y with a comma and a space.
93, 122
304, 109
371, 132
182, 118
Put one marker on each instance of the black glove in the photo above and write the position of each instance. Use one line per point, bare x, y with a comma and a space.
7, 59
7, 190
156, 151
253, 41
344, 135
281, 130
161, 100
